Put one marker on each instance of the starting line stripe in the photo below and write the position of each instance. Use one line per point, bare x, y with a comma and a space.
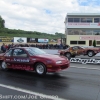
31, 92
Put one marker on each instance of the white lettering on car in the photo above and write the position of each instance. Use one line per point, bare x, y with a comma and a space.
21, 60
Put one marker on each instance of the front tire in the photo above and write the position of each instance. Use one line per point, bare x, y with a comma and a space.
4, 66
40, 69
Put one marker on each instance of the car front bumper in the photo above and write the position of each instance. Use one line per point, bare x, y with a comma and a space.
57, 68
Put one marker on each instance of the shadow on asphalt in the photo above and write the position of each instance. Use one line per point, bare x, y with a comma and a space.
31, 74
31, 80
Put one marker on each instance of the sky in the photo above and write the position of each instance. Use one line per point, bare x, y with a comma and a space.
43, 15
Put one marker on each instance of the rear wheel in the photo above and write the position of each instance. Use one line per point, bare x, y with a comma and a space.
4, 66
90, 53
68, 55
40, 69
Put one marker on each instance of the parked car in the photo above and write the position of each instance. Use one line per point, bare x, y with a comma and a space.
32, 59
79, 50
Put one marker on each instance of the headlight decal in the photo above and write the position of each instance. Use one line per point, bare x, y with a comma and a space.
58, 62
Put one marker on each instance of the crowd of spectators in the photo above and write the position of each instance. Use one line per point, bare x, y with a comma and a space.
5, 47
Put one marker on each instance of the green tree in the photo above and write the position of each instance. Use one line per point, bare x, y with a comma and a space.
2, 22
94, 43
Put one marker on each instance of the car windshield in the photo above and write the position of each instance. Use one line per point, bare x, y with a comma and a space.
35, 51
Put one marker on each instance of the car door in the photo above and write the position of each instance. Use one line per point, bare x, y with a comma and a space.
80, 51
8, 58
75, 50
21, 60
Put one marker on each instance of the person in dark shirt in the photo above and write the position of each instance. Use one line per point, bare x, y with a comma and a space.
3, 48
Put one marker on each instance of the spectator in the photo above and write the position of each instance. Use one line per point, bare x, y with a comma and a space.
3, 48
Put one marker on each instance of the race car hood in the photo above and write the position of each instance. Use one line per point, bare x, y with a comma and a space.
52, 57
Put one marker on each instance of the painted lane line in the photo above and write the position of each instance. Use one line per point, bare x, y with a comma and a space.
31, 92
85, 68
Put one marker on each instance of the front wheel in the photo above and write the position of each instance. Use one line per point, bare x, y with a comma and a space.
40, 69
4, 66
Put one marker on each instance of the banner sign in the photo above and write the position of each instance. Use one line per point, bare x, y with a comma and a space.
89, 37
6, 39
20, 40
43, 40
31, 40
85, 61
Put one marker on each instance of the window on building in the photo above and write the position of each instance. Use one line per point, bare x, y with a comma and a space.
73, 32
89, 32
89, 20
76, 32
96, 20
83, 20
86, 20
70, 32
98, 42
73, 42
81, 42
82, 32
96, 32
70, 19
76, 19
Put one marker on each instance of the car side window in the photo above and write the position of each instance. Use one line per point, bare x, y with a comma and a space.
9, 53
19, 53
79, 48
75, 48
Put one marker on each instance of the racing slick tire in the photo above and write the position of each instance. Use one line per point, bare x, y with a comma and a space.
3, 66
40, 69
90, 53
68, 55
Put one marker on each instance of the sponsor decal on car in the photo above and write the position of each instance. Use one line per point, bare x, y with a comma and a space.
21, 60
85, 61
21, 66
7, 59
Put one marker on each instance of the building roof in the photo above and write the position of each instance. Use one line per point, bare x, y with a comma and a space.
84, 14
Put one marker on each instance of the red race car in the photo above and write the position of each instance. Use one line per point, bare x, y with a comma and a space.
32, 59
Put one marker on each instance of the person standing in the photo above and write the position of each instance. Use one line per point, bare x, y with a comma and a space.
3, 48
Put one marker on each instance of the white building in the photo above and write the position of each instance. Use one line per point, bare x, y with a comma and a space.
82, 28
